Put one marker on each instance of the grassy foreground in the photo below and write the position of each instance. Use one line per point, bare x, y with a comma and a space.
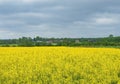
59, 65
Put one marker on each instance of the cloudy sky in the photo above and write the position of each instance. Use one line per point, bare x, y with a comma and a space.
59, 18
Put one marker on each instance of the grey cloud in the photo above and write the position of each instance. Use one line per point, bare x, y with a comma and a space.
65, 18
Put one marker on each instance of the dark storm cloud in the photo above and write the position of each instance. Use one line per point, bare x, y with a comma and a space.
63, 18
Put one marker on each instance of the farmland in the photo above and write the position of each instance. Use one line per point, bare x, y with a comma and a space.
59, 65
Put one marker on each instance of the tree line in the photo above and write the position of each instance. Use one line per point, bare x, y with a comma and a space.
40, 41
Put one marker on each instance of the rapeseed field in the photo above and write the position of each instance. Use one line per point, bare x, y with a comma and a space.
59, 65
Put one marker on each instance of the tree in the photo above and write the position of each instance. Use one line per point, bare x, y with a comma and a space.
25, 41
37, 38
110, 35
